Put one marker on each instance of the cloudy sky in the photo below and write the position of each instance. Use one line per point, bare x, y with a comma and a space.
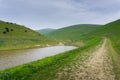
38, 14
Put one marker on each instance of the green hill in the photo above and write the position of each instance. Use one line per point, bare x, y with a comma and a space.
110, 30
45, 31
66, 62
12, 30
14, 36
73, 32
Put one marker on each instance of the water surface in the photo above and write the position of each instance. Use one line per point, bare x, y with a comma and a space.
16, 57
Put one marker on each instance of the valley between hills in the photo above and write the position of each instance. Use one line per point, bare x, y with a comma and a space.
96, 57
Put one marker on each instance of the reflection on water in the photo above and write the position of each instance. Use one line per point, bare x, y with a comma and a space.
17, 57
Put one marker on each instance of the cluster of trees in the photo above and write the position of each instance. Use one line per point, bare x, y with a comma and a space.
7, 30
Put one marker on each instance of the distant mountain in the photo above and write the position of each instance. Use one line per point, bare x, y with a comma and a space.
45, 31
73, 32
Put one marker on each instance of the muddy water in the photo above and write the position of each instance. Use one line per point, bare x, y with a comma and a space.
16, 57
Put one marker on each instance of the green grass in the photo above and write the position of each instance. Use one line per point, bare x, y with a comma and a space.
89, 35
19, 43
112, 32
46, 68
18, 37
115, 60
19, 31
72, 32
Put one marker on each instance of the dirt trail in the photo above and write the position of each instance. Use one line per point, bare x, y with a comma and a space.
97, 67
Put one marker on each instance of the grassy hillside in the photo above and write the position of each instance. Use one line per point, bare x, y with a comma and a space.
73, 32
110, 30
13, 30
90, 34
45, 31
14, 36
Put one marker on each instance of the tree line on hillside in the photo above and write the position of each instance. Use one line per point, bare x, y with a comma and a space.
8, 29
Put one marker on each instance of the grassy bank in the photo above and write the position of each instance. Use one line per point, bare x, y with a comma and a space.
47, 67
23, 43
112, 48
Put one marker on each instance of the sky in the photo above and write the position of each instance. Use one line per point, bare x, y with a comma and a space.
39, 14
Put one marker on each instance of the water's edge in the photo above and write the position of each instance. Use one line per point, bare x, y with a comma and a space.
17, 57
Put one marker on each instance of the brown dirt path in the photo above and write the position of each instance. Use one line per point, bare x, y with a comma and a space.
98, 66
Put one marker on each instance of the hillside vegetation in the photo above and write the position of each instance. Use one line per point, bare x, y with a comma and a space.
73, 32
14, 36
112, 32
97, 59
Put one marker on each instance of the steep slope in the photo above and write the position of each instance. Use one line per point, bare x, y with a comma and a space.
46, 31
14, 36
73, 32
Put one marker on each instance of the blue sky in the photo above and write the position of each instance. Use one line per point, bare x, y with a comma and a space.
38, 14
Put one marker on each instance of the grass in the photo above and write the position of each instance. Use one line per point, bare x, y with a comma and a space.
115, 60
46, 67
74, 35
112, 32
20, 43
72, 32
14, 36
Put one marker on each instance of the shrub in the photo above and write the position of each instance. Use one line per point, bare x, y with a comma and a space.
12, 30
7, 29
25, 30
4, 32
